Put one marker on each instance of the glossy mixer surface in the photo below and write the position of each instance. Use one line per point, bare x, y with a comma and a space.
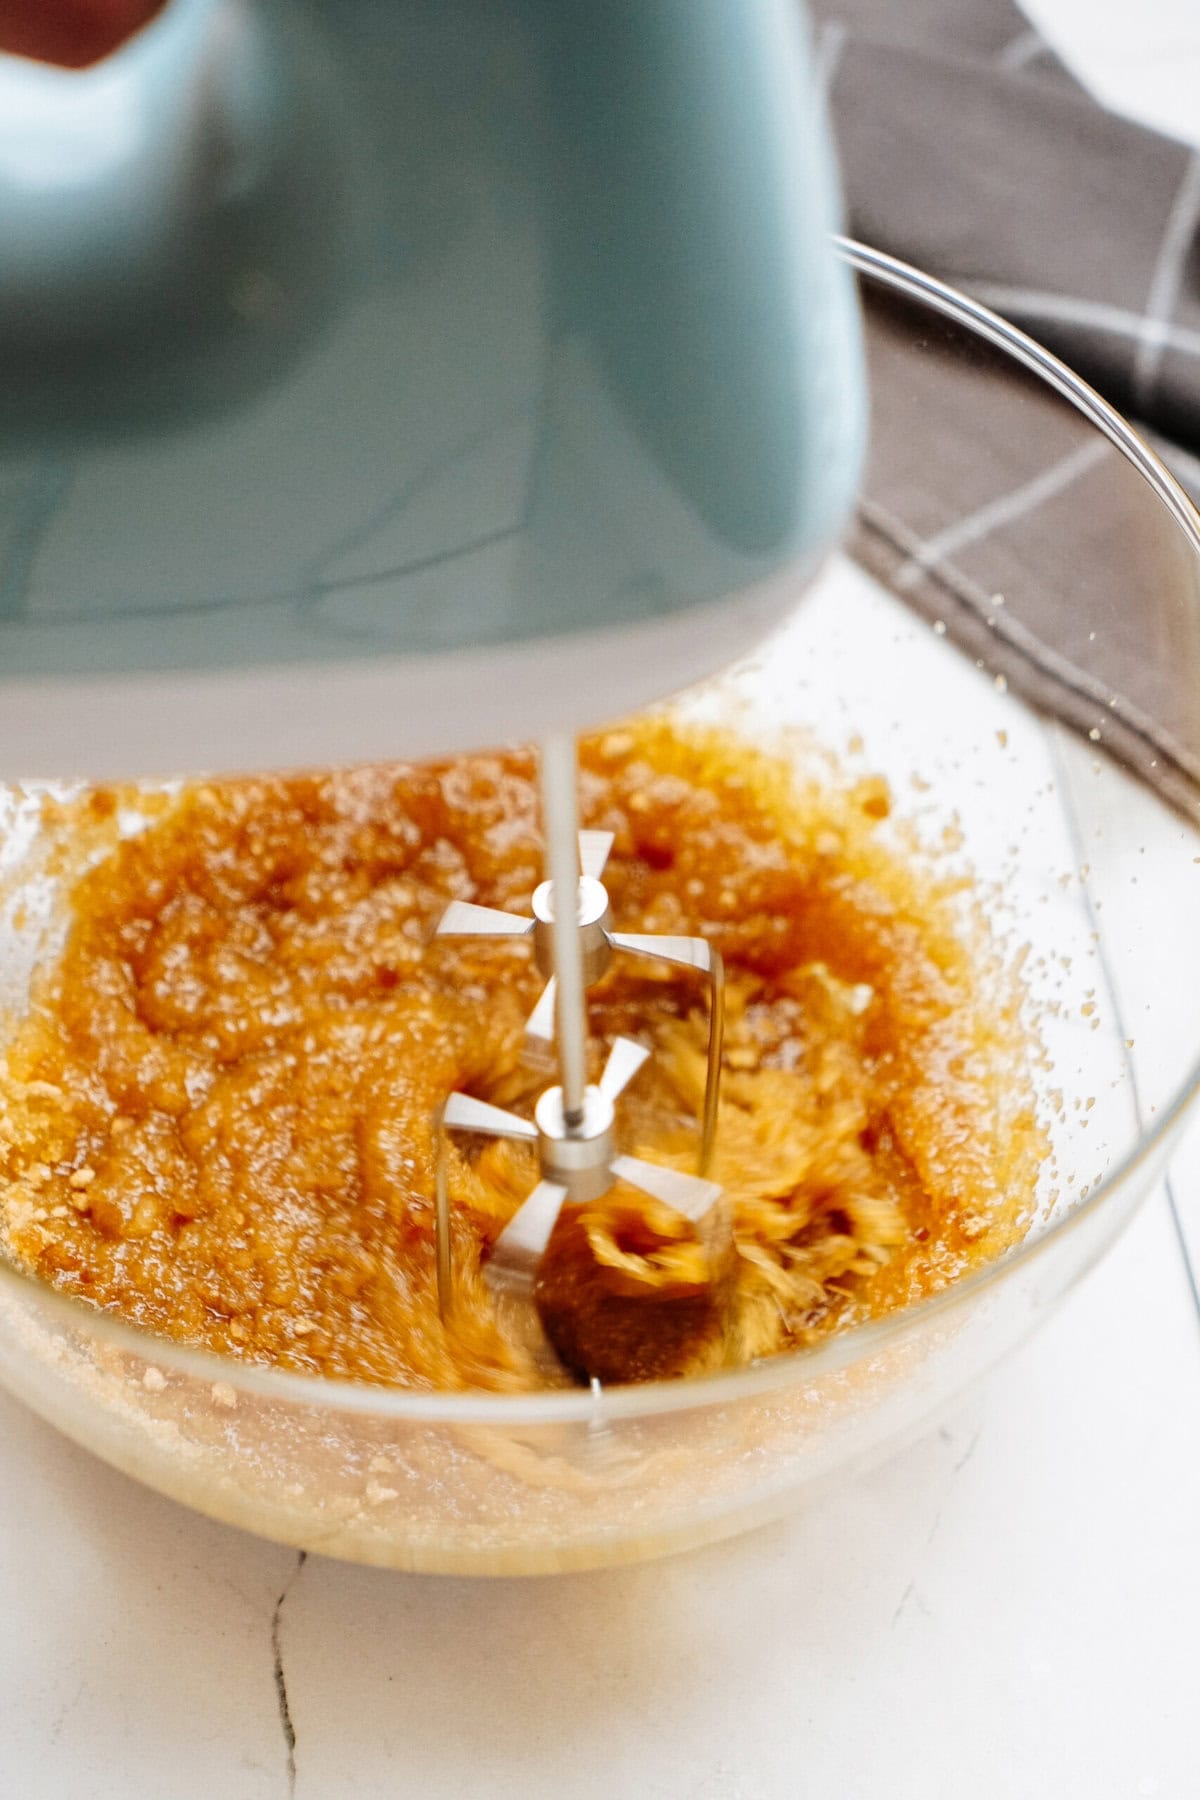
386, 379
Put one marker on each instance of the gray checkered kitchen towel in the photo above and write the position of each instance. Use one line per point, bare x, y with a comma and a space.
968, 150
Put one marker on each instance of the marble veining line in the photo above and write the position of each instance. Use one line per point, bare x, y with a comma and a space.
968, 1453
285, 1714
948, 1438
910, 1593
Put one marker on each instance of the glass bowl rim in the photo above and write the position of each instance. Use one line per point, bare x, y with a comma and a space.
727, 1386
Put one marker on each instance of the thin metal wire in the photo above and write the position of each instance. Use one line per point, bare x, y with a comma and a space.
716, 1044
699, 954
441, 1222
560, 819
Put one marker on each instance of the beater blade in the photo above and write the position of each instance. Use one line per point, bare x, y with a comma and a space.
685, 1194
595, 848
540, 1023
463, 919
521, 1245
463, 1112
624, 1060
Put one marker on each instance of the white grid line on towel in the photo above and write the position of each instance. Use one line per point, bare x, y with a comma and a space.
1005, 509
1016, 635
1071, 309
1166, 280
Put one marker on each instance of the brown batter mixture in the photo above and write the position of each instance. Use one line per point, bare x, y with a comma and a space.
217, 1113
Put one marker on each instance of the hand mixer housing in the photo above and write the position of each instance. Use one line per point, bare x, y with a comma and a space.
389, 376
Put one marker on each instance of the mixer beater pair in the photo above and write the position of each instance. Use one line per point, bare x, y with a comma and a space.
573, 1123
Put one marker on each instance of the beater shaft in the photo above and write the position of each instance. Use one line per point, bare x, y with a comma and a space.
560, 814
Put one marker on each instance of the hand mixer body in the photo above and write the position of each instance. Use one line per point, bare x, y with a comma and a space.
386, 378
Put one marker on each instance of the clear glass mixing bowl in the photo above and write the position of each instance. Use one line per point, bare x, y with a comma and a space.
1086, 867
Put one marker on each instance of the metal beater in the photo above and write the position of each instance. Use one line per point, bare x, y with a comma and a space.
573, 1122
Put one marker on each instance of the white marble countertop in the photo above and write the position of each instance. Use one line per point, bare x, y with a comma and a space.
1007, 1611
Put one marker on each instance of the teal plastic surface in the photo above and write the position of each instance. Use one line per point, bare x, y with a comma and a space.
379, 326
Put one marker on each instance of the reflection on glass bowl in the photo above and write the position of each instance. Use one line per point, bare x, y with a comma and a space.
475, 1483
